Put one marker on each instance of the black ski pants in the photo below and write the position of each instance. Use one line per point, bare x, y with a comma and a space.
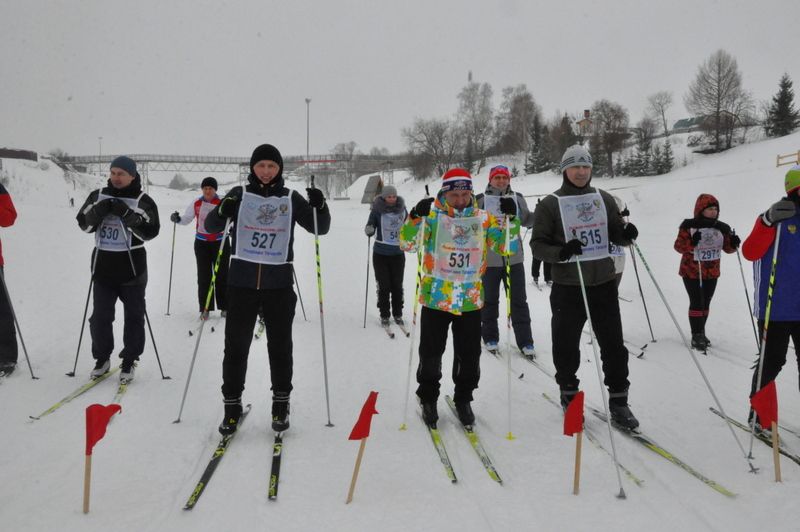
205, 253
8, 333
389, 271
535, 263
699, 302
101, 324
778, 335
278, 307
520, 312
569, 317
434, 325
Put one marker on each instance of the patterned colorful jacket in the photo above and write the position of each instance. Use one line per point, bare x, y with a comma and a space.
683, 242
451, 296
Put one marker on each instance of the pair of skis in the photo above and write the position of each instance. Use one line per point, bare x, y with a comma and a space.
474, 441
82, 389
390, 333
764, 438
219, 452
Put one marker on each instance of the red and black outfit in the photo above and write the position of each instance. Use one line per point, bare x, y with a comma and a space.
8, 333
700, 277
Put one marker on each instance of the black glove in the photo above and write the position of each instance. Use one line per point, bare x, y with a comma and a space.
779, 211
724, 228
422, 208
735, 241
175, 217
369, 230
696, 238
120, 208
629, 232
132, 219
315, 198
625, 212
103, 208
227, 206
573, 247
508, 206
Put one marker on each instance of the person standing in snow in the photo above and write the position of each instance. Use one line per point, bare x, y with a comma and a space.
537, 265
122, 218
499, 196
8, 333
386, 217
206, 248
264, 213
576, 223
700, 242
784, 310
618, 252
457, 235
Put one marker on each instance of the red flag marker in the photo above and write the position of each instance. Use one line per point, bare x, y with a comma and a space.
765, 403
97, 418
573, 417
361, 432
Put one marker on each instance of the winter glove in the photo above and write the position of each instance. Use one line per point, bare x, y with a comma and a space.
629, 232
724, 228
696, 238
422, 208
779, 211
735, 241
508, 206
227, 206
99, 210
369, 230
315, 198
175, 217
120, 208
132, 219
573, 247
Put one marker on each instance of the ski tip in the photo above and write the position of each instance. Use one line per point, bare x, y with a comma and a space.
403, 427
509, 436
34, 418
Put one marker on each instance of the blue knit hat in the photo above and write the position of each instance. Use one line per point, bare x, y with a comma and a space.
125, 163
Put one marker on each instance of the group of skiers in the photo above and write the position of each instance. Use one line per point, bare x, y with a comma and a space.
466, 245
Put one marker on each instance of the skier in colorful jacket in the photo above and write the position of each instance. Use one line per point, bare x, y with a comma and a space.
456, 238
701, 241
206, 248
776, 236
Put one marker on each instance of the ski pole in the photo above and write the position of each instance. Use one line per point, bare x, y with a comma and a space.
507, 261
420, 251
85, 311
767, 312
641, 294
14, 314
125, 231
597, 365
321, 314
691, 353
366, 290
747, 295
299, 295
203, 322
171, 260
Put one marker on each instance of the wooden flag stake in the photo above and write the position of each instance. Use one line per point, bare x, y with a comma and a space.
355, 471
577, 481
87, 482
776, 457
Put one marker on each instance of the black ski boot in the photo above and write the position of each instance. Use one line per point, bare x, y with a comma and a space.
429, 414
233, 412
699, 342
7, 368
622, 416
465, 414
280, 411
566, 398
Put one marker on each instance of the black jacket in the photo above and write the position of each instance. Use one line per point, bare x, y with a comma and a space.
247, 274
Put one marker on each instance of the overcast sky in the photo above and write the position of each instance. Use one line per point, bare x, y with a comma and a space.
220, 77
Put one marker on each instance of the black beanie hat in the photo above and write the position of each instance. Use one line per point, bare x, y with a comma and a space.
266, 152
209, 182
125, 163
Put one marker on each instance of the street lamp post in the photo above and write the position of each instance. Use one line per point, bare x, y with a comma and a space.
99, 155
308, 123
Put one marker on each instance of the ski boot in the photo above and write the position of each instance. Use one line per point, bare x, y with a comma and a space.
429, 413
101, 367
465, 414
233, 412
622, 416
280, 411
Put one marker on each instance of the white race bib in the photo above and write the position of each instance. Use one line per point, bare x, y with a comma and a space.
710, 246
584, 217
492, 204
615, 250
458, 250
202, 212
111, 234
263, 229
391, 222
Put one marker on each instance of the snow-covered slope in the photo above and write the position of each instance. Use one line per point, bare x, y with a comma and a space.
146, 467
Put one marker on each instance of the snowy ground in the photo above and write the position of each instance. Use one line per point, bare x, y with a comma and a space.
146, 467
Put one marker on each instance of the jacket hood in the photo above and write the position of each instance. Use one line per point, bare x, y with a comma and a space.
704, 201
380, 206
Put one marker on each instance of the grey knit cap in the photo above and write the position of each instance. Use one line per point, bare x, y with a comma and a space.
575, 155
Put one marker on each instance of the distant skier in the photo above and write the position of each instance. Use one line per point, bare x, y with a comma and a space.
579, 221
501, 201
700, 241
264, 213
386, 217
122, 218
8, 333
454, 245
784, 310
206, 248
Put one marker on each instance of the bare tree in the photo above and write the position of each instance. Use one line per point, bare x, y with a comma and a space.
716, 94
610, 127
475, 116
645, 131
515, 119
437, 140
657, 105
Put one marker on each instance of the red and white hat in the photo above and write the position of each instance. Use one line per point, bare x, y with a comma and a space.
500, 169
456, 179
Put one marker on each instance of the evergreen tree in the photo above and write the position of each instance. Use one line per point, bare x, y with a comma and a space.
782, 117
656, 161
538, 159
667, 159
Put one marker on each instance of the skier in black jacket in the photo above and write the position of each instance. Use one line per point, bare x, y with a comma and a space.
263, 213
122, 218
